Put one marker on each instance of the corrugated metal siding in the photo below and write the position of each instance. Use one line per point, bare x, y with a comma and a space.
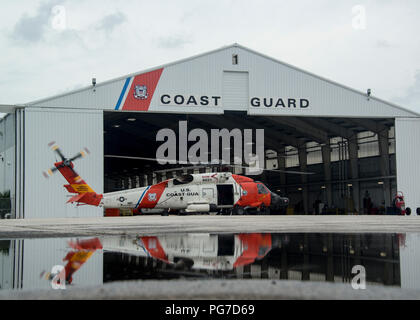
7, 154
407, 132
203, 75
410, 261
267, 78
7, 132
101, 97
72, 130
235, 90
42, 254
19, 164
17, 249
6, 268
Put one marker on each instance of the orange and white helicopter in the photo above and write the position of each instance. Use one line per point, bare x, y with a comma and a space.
219, 192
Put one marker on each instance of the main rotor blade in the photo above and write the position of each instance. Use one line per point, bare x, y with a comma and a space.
56, 148
148, 159
82, 153
218, 163
270, 170
49, 172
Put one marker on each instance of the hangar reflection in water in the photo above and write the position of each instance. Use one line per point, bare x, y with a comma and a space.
389, 259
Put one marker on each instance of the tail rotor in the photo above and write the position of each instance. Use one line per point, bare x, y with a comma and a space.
82, 192
65, 162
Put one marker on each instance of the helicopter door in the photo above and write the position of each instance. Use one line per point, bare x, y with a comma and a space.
208, 194
225, 195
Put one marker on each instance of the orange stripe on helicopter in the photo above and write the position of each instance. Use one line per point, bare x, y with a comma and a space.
82, 188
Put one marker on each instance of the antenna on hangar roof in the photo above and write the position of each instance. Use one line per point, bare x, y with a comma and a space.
94, 84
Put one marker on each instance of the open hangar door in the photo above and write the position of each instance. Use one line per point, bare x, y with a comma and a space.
352, 160
406, 129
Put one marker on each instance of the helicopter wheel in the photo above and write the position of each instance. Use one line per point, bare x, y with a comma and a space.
238, 210
264, 210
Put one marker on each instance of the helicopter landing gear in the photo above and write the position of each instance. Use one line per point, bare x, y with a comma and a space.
264, 210
238, 210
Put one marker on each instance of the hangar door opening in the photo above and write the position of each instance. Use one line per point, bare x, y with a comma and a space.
406, 129
351, 161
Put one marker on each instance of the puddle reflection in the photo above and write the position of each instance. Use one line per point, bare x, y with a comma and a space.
389, 259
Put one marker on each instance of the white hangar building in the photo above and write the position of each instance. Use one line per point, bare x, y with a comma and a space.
353, 142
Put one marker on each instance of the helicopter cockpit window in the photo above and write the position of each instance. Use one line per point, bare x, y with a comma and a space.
262, 189
183, 179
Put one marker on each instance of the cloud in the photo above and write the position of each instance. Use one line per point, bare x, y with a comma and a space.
31, 29
384, 44
111, 21
172, 42
411, 99
315, 36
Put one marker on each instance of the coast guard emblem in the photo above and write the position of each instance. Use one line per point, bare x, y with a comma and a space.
151, 196
140, 92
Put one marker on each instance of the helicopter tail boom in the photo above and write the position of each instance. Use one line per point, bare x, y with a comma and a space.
84, 193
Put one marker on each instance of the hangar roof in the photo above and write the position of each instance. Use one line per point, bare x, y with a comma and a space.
213, 83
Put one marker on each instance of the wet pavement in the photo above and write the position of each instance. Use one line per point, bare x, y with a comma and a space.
292, 265
156, 225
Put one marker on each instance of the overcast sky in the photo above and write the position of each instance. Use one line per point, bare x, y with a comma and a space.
42, 54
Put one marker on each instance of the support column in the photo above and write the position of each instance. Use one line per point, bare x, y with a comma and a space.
388, 265
305, 272
354, 170
265, 173
284, 274
132, 182
383, 137
281, 159
149, 179
303, 161
127, 183
326, 160
141, 180
329, 246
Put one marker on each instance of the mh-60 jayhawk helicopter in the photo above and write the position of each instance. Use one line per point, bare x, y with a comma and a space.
219, 192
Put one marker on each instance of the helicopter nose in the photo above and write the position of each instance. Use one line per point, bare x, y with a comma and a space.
277, 201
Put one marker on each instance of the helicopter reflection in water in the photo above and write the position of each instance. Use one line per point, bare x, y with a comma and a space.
208, 251
81, 251
293, 256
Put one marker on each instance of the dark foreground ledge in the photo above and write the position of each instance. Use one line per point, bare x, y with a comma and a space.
218, 289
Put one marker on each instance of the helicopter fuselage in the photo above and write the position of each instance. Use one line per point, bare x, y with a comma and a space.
206, 192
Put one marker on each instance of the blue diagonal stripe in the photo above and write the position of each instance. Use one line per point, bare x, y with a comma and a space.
127, 81
142, 195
